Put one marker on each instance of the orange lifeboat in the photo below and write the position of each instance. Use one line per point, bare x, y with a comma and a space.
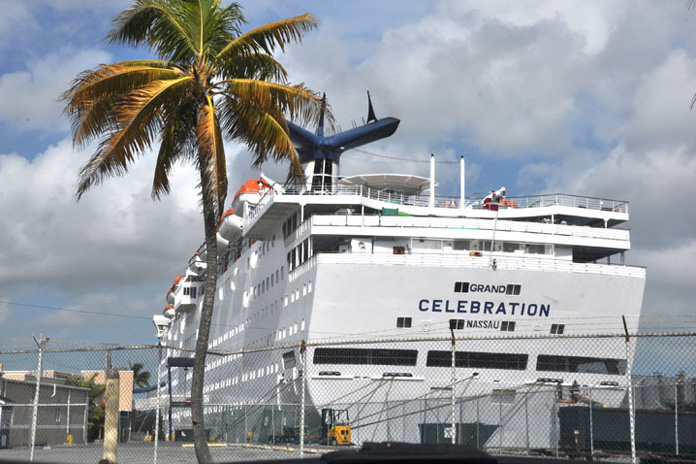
253, 186
177, 281
170, 296
230, 226
169, 311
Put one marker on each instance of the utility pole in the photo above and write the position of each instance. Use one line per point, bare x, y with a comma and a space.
41, 343
111, 398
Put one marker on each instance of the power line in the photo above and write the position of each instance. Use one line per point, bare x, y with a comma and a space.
399, 159
82, 311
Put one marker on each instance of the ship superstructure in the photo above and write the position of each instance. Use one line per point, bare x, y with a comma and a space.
380, 256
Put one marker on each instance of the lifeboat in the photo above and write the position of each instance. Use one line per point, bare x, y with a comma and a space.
176, 283
169, 311
230, 227
253, 186
170, 296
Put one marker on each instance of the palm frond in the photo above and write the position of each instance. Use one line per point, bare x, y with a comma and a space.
258, 66
160, 24
295, 101
139, 119
177, 141
94, 95
263, 130
269, 36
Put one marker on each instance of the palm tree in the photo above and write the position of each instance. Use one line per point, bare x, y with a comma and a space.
141, 378
210, 82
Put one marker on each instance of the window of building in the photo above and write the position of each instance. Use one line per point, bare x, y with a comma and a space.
403, 322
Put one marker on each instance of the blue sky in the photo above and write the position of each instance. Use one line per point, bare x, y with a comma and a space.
587, 98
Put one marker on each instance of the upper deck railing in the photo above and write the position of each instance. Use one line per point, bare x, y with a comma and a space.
521, 202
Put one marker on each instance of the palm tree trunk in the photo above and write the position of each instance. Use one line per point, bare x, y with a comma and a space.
200, 440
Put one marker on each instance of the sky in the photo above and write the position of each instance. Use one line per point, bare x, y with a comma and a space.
589, 98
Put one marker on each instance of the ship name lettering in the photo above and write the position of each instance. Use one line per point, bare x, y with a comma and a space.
484, 307
481, 288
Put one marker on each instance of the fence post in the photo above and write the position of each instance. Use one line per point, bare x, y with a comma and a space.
591, 424
39, 372
631, 412
526, 417
159, 396
303, 350
454, 382
676, 414
478, 441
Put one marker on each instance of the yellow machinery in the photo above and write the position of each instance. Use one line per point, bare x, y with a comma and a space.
335, 426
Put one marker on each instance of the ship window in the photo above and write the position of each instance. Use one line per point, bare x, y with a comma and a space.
581, 364
369, 356
461, 245
309, 287
399, 250
478, 360
507, 326
511, 247
557, 329
282, 272
456, 324
536, 249
403, 322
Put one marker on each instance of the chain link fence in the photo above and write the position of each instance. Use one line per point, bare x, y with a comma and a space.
593, 396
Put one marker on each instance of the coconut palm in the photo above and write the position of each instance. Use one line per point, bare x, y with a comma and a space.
141, 377
209, 82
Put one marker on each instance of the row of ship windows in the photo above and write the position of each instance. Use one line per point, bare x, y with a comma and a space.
460, 324
299, 255
237, 379
469, 359
266, 284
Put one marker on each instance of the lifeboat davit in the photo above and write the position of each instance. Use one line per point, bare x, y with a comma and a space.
196, 264
230, 226
169, 311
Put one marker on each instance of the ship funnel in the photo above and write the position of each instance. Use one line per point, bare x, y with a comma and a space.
320, 155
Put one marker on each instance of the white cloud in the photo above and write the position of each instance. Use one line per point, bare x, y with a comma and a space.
31, 98
115, 235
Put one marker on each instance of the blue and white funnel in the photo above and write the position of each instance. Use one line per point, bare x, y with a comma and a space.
320, 155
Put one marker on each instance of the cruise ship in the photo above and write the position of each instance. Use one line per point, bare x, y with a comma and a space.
376, 274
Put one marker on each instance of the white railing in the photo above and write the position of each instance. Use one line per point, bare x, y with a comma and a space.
522, 202
469, 224
462, 260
